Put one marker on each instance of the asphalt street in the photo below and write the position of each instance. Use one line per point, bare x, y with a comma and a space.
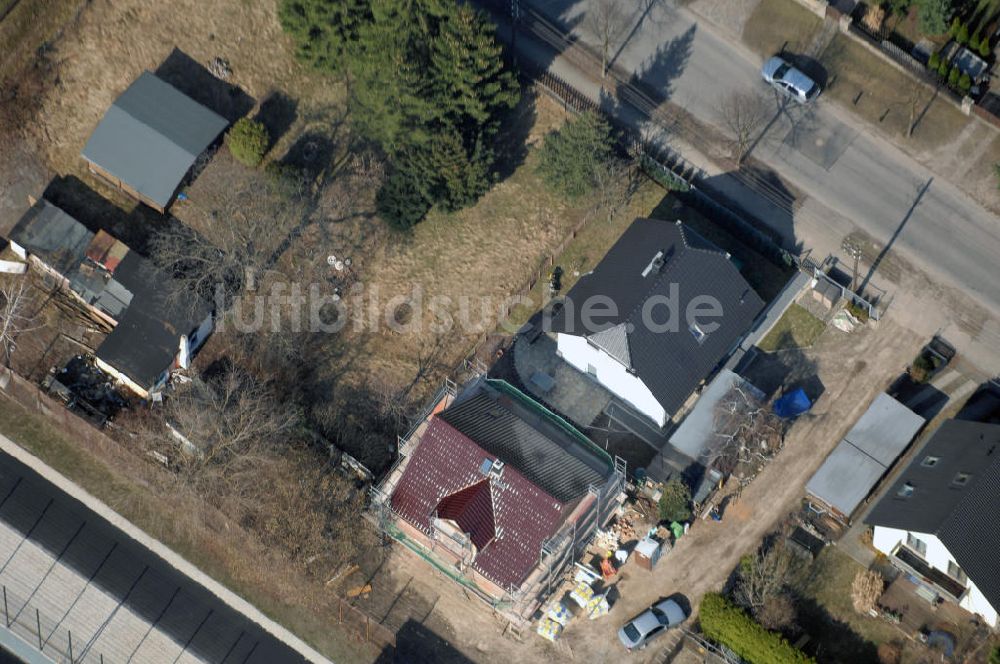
845, 176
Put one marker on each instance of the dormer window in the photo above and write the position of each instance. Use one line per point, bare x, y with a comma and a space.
698, 334
961, 479
930, 461
906, 490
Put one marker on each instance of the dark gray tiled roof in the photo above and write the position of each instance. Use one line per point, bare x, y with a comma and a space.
521, 433
151, 136
964, 517
670, 363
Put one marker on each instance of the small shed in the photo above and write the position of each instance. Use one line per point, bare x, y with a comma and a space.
863, 456
647, 553
149, 139
827, 293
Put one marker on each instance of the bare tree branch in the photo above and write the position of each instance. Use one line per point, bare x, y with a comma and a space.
744, 114
606, 21
15, 316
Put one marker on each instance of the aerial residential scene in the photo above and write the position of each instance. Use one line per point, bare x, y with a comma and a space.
452, 331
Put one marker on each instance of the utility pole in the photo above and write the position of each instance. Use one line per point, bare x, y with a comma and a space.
854, 251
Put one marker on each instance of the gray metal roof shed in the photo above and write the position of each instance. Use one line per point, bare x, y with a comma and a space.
864, 455
150, 138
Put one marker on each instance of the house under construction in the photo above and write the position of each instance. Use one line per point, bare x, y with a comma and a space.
499, 493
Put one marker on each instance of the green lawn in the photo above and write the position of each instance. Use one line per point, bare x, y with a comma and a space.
797, 328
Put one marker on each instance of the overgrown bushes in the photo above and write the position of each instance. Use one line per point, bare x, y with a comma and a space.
726, 623
248, 141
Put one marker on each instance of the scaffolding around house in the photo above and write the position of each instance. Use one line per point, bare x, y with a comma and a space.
557, 553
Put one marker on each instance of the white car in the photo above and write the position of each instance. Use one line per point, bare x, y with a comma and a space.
651, 623
789, 80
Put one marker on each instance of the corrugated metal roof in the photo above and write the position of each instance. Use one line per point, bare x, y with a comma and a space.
444, 465
865, 454
696, 436
151, 136
885, 429
654, 262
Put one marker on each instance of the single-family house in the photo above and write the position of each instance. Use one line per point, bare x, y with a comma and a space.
862, 458
152, 333
938, 521
656, 317
500, 492
149, 139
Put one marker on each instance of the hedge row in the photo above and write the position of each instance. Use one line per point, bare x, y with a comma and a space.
724, 622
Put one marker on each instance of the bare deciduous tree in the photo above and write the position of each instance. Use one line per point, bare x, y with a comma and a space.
16, 318
747, 432
615, 183
762, 576
606, 20
777, 613
243, 226
744, 114
229, 420
866, 590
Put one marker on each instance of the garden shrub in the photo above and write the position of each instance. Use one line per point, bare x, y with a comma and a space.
934, 62
964, 83
984, 47
675, 502
248, 141
962, 35
953, 76
943, 69
724, 622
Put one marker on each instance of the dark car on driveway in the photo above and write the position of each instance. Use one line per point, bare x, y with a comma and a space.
652, 622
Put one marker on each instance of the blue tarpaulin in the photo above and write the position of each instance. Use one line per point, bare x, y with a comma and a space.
792, 404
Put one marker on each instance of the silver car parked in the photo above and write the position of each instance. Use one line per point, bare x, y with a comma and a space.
789, 80
651, 623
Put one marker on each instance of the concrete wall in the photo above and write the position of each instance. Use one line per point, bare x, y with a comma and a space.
611, 374
887, 540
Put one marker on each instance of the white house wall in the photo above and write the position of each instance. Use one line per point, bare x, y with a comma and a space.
202, 333
611, 374
937, 556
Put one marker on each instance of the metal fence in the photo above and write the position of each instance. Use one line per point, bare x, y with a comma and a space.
42, 632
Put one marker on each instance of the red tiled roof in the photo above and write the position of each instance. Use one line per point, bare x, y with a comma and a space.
472, 509
507, 519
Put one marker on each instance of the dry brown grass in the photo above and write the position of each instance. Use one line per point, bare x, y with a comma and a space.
113, 42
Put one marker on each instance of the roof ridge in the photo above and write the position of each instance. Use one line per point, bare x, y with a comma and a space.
685, 229
670, 265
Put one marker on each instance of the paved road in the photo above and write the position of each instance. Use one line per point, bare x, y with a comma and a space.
850, 178
109, 596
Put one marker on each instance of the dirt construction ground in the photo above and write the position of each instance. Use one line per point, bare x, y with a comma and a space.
853, 368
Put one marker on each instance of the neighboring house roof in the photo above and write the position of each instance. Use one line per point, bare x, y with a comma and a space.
951, 489
507, 519
51, 235
106, 274
656, 261
696, 436
865, 454
523, 434
151, 136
